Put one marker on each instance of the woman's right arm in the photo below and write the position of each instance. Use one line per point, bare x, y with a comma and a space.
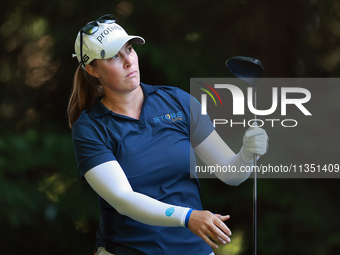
110, 182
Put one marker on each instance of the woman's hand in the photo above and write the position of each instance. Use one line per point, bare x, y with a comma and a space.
210, 227
255, 141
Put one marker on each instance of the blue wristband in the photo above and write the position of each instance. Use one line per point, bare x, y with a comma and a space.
187, 218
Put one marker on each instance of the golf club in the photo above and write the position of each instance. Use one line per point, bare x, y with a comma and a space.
248, 69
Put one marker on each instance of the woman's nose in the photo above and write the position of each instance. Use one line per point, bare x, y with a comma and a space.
127, 60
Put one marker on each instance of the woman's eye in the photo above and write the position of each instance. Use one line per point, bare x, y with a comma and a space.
115, 56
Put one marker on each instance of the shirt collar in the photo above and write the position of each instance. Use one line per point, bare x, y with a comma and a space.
99, 110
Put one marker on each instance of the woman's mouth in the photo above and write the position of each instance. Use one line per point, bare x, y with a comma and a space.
132, 74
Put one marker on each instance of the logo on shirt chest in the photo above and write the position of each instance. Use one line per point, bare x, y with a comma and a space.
175, 116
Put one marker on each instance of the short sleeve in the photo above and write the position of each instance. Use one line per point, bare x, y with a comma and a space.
90, 147
200, 125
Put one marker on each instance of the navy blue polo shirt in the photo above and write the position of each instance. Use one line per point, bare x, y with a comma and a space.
155, 153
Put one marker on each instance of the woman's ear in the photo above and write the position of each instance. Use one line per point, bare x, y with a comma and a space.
91, 71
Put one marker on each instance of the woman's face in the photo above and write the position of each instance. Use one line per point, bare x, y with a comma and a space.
119, 74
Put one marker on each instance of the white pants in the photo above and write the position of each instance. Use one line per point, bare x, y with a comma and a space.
102, 251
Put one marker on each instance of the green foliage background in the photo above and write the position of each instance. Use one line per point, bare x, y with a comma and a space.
45, 208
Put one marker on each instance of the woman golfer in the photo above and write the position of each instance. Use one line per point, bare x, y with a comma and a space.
135, 144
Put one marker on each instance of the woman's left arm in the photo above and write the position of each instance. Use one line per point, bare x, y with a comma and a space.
214, 151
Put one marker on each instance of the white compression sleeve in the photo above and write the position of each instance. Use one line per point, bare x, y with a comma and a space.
111, 183
214, 151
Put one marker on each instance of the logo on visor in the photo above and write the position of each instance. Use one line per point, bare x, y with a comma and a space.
107, 31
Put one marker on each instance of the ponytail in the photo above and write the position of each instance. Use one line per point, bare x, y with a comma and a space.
86, 89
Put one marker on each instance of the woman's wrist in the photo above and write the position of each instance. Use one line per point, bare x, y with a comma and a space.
187, 217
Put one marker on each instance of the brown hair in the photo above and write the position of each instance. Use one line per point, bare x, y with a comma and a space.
86, 89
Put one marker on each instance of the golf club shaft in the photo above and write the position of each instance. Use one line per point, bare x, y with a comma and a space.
255, 182
255, 206
248, 69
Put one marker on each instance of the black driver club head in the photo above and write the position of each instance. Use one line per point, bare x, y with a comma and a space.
245, 68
